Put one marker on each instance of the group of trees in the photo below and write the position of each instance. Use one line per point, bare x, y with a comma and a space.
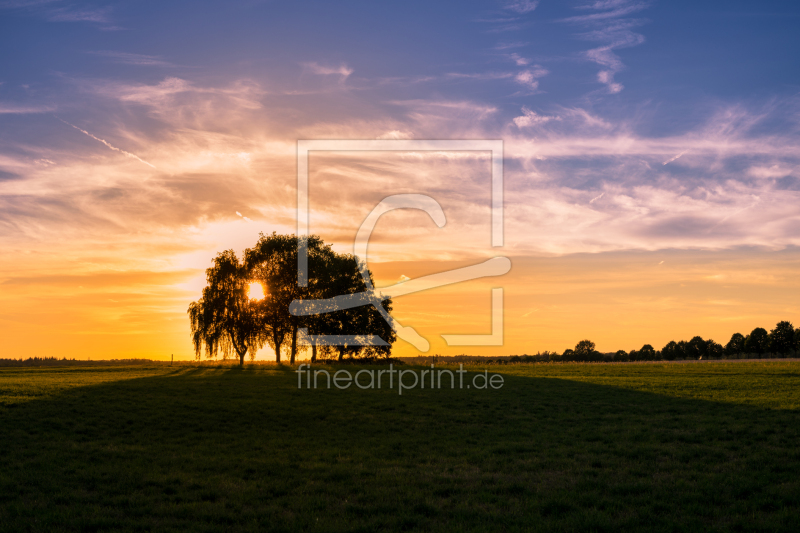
227, 319
782, 341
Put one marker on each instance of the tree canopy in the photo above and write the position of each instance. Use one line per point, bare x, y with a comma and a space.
226, 318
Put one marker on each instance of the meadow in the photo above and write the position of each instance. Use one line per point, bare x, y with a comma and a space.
560, 447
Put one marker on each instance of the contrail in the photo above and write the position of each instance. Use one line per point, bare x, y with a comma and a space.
134, 156
671, 159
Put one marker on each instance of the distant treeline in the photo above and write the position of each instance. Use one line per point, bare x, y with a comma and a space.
55, 361
781, 342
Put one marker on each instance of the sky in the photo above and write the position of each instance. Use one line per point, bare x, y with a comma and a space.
651, 163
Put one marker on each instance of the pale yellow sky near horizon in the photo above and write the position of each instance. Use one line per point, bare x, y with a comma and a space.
620, 300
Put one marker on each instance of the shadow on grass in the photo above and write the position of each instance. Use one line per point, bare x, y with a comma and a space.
242, 449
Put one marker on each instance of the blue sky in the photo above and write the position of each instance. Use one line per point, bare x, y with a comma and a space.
145, 136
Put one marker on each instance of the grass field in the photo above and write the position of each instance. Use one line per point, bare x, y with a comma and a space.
656, 447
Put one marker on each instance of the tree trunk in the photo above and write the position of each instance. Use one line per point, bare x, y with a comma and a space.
294, 344
341, 353
277, 341
313, 351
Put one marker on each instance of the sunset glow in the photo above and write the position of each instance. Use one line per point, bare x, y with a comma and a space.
255, 291
651, 183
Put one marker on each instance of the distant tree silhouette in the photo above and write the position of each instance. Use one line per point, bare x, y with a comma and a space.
781, 339
647, 353
757, 342
714, 349
735, 345
670, 352
584, 351
696, 348
622, 356
568, 355
224, 318
797, 340
683, 349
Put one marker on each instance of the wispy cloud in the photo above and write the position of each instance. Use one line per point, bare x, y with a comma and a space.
519, 60
529, 78
343, 71
60, 11
605, 24
126, 58
507, 46
16, 109
531, 118
522, 6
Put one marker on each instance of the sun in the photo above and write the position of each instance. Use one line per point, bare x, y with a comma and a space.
256, 291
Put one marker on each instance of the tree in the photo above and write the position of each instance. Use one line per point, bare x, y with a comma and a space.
225, 319
714, 349
273, 261
735, 345
584, 350
622, 356
568, 355
797, 340
683, 349
781, 339
757, 342
696, 347
344, 277
647, 353
670, 352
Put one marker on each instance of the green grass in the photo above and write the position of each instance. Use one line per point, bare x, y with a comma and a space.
656, 447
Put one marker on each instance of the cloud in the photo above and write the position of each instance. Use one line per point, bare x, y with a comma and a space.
519, 60
126, 58
15, 109
522, 6
343, 71
529, 78
60, 11
606, 25
396, 134
507, 46
774, 171
530, 118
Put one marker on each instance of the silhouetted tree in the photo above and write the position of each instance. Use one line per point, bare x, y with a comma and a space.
670, 352
584, 351
622, 356
696, 347
781, 339
797, 340
647, 353
714, 349
757, 342
568, 355
273, 261
345, 277
224, 318
735, 345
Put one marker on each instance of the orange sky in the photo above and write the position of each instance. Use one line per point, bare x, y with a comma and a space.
612, 236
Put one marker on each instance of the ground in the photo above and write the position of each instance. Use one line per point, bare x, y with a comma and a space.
560, 447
